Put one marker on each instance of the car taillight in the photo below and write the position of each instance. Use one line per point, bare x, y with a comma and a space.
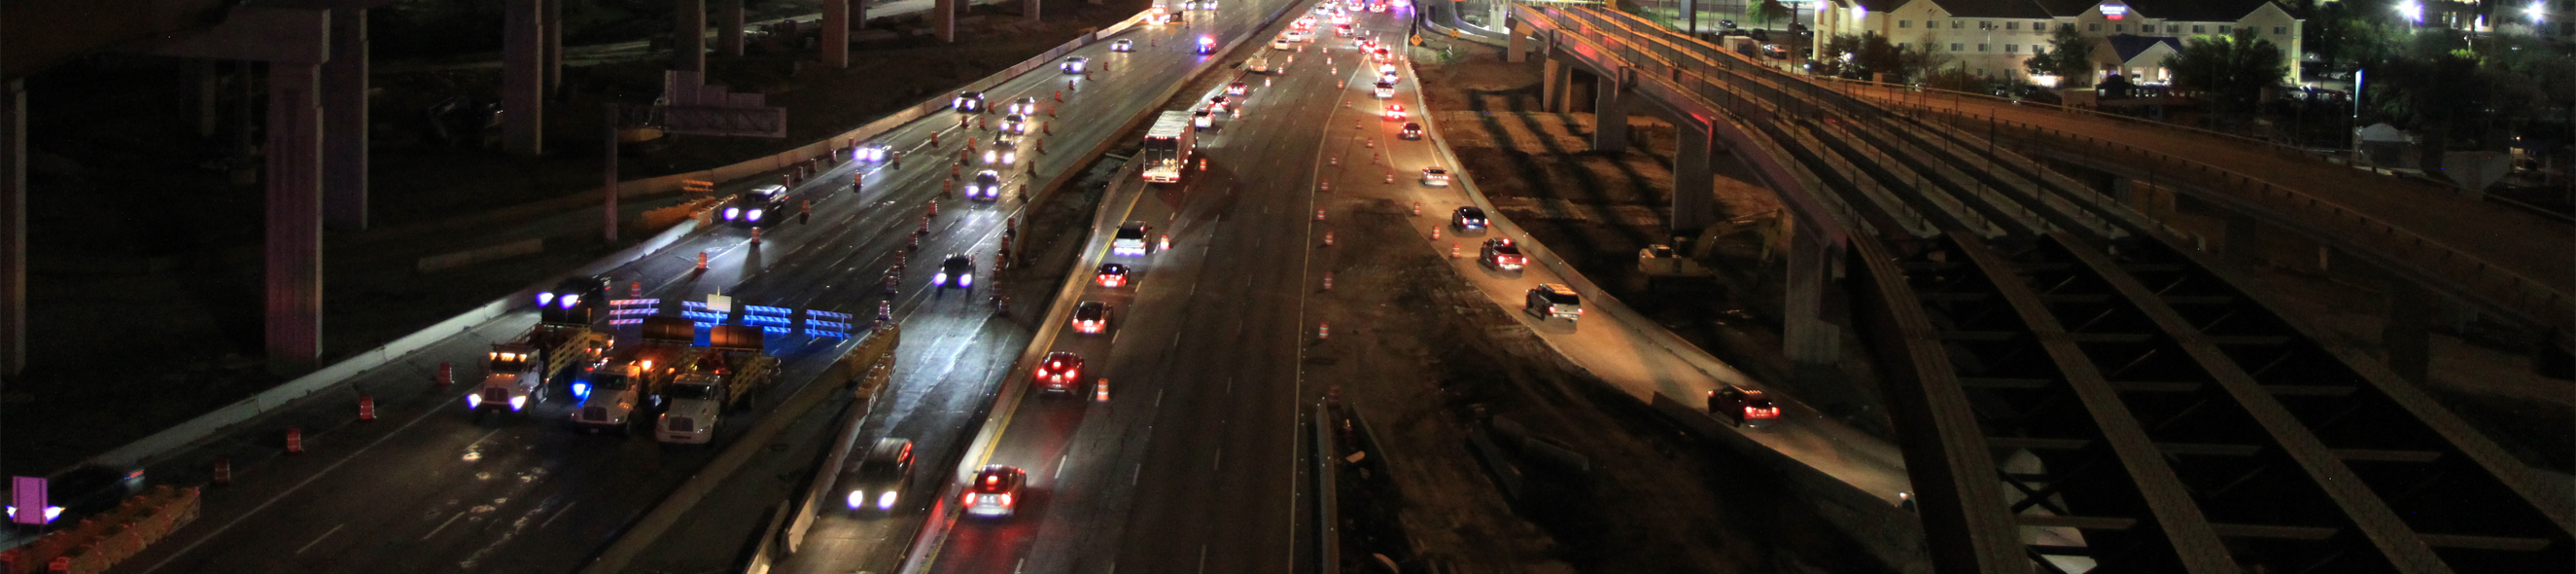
1006, 500
970, 499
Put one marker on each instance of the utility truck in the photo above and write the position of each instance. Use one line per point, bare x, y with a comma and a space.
724, 378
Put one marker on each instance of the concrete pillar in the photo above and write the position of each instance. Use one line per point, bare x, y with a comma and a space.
344, 122
2407, 335
1694, 181
1520, 44
523, 77
294, 226
1555, 79
729, 28
1609, 114
2244, 244
836, 33
554, 46
13, 228
1806, 338
943, 20
689, 35
210, 88
1029, 9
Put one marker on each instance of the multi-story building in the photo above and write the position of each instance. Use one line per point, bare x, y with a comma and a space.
1993, 38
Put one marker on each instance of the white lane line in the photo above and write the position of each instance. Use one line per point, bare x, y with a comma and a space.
1133, 474
1023, 566
559, 513
308, 481
443, 525
318, 539
1059, 466
1158, 397
1202, 559
1219, 463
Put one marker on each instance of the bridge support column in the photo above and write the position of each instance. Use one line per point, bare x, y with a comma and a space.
943, 20
836, 33
13, 228
1694, 181
553, 43
344, 122
294, 226
689, 35
729, 28
1812, 344
1520, 46
1609, 115
1556, 84
523, 77
1029, 10
2408, 334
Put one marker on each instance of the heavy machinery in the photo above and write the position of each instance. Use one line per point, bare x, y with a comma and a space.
725, 377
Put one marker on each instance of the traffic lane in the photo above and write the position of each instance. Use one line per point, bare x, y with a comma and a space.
1606, 343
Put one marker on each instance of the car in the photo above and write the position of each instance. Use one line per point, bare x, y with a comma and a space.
1203, 119
1025, 106
1207, 4
1297, 35
880, 476
1090, 317
1435, 177
1060, 372
1501, 253
1207, 45
968, 103
1742, 406
1189, 4
1394, 112
1279, 43
1467, 217
1220, 104
1411, 131
872, 152
1111, 275
1130, 239
957, 271
1386, 72
987, 186
1385, 90
575, 300
1005, 150
1237, 88
1553, 301
760, 207
1381, 54
1122, 45
1341, 28
995, 491
1015, 124
1075, 65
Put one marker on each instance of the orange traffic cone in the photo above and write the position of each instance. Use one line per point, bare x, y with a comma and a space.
635, 289
755, 236
1100, 391
1328, 239
934, 207
1453, 251
1328, 280
1372, 142
1319, 214
702, 262
1390, 177
1435, 233
1417, 209
294, 440
223, 471
1324, 330
1333, 161
366, 408
446, 374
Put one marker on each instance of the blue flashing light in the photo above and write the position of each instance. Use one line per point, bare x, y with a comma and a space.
767, 310
827, 315
581, 390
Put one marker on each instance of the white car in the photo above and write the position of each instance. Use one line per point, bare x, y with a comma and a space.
1015, 124
1279, 43
1026, 106
1005, 151
1075, 65
871, 153
987, 186
1122, 46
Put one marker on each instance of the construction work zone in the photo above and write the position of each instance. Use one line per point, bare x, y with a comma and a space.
102, 541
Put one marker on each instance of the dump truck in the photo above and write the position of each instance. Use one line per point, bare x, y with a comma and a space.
518, 372
628, 385
723, 378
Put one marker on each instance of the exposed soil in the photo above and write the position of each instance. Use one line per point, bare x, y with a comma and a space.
134, 212
1597, 209
1427, 360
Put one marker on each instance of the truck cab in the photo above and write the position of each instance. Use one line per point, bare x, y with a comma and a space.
512, 379
697, 404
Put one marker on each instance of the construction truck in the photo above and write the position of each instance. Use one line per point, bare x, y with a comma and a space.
629, 384
723, 378
517, 373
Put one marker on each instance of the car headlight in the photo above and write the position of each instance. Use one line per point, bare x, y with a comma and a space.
940, 278
989, 156
518, 402
857, 499
754, 215
1013, 157
966, 280
474, 401
886, 501
732, 213
544, 299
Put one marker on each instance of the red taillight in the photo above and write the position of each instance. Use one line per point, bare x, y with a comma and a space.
1006, 500
1761, 413
970, 499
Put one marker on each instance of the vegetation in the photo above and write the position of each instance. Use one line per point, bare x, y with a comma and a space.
2230, 72
2069, 56
1866, 56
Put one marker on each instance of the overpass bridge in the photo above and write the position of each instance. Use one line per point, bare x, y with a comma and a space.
2077, 386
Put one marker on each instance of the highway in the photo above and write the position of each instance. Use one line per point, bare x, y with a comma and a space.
429, 488
1192, 465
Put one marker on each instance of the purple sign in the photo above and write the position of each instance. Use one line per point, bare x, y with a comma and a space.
27, 493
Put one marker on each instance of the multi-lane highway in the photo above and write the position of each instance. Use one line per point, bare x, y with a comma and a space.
1192, 465
430, 488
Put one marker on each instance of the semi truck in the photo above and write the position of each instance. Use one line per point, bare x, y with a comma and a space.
1167, 146
629, 384
723, 378
516, 373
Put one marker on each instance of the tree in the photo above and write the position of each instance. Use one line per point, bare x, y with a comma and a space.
2069, 57
2229, 71
1769, 12
1866, 56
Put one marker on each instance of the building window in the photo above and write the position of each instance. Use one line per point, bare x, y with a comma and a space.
1954, 46
1981, 47
2012, 25
2092, 27
2012, 48
2039, 26
1957, 24
2121, 28
2173, 28
2198, 29
1904, 23
2224, 29
2280, 31
1985, 24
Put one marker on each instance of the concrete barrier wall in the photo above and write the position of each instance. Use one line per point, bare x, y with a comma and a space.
480, 254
